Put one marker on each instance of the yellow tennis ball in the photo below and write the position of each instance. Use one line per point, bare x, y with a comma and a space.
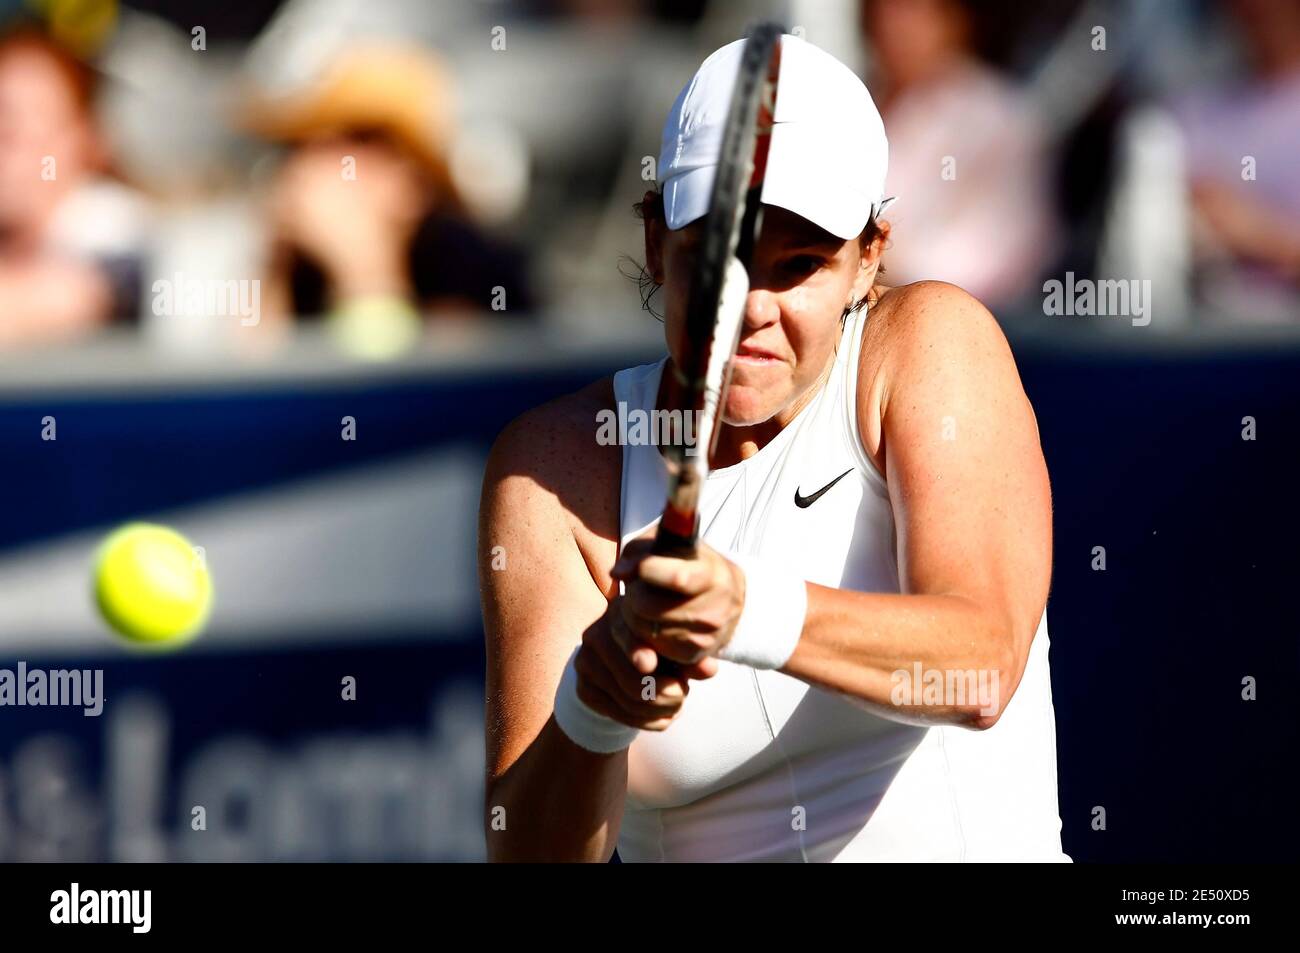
377, 328
152, 586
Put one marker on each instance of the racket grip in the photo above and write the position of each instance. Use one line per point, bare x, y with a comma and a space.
668, 669
677, 545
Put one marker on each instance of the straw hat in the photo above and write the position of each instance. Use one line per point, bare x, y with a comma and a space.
402, 91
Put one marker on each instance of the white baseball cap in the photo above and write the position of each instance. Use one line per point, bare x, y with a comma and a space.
828, 155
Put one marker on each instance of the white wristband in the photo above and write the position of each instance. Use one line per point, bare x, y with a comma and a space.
771, 621
586, 728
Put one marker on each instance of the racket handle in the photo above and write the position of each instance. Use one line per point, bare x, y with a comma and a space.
668, 669
677, 545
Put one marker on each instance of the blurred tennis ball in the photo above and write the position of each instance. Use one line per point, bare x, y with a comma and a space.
377, 328
152, 586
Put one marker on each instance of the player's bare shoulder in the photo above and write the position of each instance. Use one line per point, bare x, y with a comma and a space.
548, 471
917, 330
931, 314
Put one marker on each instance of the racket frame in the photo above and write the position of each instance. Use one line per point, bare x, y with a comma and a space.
716, 299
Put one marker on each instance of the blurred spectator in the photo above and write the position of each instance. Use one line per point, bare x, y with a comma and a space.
1242, 145
71, 238
364, 215
967, 160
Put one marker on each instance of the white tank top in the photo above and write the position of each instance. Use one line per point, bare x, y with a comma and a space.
760, 766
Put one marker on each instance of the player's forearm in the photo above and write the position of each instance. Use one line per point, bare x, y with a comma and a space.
921, 659
557, 802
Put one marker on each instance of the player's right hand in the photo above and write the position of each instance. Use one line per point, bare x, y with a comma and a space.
616, 675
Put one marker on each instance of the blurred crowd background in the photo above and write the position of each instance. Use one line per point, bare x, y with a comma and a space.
277, 273
386, 165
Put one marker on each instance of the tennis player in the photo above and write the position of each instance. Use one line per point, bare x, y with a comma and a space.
861, 642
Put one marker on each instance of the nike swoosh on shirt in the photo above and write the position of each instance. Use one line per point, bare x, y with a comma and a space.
805, 501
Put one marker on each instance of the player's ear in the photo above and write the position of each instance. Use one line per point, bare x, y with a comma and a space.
652, 222
869, 260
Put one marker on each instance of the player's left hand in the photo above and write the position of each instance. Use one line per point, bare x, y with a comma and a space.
684, 609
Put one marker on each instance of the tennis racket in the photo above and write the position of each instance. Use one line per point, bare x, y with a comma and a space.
719, 286
715, 303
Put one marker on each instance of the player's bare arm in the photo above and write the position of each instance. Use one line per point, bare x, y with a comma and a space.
547, 538
968, 485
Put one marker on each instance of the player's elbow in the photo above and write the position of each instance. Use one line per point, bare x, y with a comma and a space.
981, 719
986, 691
985, 711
